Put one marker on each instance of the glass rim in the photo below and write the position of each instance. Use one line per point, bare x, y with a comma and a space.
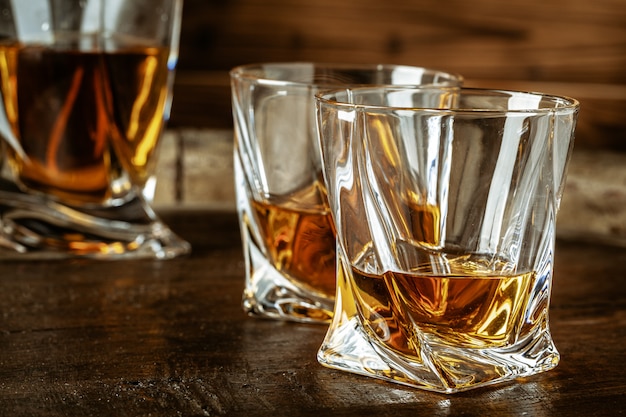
246, 72
562, 103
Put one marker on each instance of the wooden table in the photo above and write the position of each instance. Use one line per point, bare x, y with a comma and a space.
167, 338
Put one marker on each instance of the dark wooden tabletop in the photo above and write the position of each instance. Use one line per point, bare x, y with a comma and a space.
167, 338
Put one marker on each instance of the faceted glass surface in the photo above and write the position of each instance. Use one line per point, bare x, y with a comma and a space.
445, 205
287, 231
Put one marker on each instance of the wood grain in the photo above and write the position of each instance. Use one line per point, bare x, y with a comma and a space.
163, 338
565, 40
566, 47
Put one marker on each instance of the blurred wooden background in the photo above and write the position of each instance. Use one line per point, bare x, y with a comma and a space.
569, 47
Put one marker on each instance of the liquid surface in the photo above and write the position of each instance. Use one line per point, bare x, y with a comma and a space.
466, 308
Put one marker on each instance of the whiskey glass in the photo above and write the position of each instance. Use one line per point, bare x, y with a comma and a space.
444, 204
85, 88
288, 237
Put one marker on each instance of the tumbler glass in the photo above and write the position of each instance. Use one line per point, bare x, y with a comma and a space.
288, 237
85, 88
445, 215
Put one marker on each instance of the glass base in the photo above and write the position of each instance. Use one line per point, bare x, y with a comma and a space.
269, 294
443, 369
419, 357
39, 227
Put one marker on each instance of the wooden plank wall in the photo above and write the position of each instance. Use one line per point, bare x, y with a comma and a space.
570, 47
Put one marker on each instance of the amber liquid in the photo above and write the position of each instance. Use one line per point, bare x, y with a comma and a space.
301, 242
468, 308
424, 224
84, 119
